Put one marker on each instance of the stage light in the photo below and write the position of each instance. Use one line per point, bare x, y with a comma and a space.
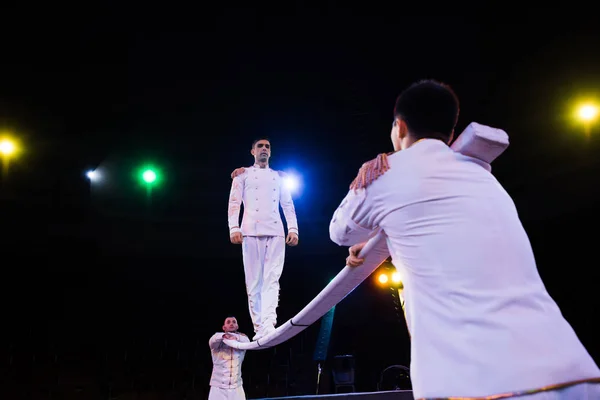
149, 176
7, 147
396, 278
291, 183
93, 175
587, 112
8, 151
383, 278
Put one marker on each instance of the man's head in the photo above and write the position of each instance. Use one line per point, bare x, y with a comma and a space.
230, 325
261, 150
426, 109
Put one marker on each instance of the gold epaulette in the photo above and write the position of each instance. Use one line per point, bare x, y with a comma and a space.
370, 171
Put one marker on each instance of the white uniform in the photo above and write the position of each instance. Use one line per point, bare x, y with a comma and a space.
480, 318
262, 192
226, 380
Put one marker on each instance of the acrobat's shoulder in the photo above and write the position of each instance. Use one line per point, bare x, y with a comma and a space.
242, 334
282, 174
370, 171
241, 171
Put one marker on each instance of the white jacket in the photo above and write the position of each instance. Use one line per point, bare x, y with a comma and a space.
262, 191
227, 361
480, 318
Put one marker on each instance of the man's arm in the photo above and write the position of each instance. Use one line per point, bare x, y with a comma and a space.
236, 197
244, 338
215, 340
352, 221
287, 204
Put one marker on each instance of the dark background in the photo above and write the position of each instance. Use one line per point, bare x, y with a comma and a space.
104, 294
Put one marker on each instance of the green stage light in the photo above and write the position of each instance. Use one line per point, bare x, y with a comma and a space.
149, 176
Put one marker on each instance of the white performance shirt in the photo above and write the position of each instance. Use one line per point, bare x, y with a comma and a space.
227, 362
480, 318
262, 191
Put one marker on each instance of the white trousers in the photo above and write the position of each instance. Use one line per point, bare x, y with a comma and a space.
217, 393
263, 264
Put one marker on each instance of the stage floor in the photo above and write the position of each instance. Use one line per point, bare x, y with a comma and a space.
388, 395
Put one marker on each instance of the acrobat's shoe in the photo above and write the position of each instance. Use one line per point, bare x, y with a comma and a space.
264, 332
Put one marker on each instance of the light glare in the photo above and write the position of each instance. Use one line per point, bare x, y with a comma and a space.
291, 183
149, 176
588, 112
92, 175
7, 147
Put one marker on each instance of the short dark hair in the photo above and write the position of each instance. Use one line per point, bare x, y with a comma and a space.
259, 139
429, 108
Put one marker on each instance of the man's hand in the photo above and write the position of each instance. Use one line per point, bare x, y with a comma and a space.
236, 238
352, 260
237, 171
230, 337
292, 239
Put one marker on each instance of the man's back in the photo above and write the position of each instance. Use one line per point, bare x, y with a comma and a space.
480, 318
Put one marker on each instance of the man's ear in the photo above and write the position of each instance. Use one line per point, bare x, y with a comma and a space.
252, 151
402, 128
451, 137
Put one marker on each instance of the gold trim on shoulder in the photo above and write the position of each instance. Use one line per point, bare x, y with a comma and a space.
370, 171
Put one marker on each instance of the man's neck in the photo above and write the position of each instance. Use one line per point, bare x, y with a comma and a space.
262, 164
411, 142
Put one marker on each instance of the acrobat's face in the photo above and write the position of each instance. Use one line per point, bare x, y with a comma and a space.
261, 151
230, 325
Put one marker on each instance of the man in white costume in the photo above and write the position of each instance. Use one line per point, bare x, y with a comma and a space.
261, 234
482, 324
226, 380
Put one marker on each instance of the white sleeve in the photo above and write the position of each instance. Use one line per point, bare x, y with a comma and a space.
287, 204
215, 340
351, 222
236, 196
244, 338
